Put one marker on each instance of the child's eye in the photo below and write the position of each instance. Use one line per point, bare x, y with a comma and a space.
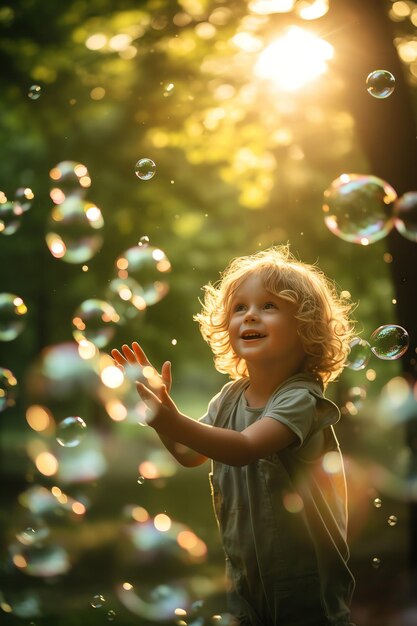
239, 307
270, 305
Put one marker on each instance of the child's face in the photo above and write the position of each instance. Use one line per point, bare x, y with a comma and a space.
262, 326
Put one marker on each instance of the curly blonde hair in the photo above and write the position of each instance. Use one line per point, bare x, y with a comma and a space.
322, 314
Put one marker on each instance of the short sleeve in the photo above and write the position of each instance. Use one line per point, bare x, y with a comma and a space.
295, 408
214, 405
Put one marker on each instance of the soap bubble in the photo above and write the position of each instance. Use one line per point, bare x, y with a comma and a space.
111, 615
95, 321
34, 92
73, 230
143, 241
376, 562
10, 216
148, 266
8, 388
70, 432
12, 312
377, 503
69, 178
359, 355
380, 84
97, 601
392, 520
154, 604
145, 169
389, 342
41, 560
127, 298
23, 199
30, 535
359, 208
405, 215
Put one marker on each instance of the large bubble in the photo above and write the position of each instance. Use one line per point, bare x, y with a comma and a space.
8, 388
127, 297
148, 266
69, 178
359, 208
380, 83
359, 355
73, 230
12, 316
389, 342
405, 215
40, 560
95, 321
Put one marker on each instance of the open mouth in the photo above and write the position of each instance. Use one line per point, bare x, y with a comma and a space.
252, 335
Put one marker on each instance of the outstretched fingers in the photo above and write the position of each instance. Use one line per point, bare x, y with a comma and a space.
166, 375
119, 358
139, 354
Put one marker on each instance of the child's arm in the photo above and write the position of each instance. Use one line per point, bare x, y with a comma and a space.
183, 454
231, 447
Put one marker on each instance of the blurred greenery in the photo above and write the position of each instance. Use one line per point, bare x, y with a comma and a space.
240, 165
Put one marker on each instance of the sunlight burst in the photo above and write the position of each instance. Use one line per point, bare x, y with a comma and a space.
294, 59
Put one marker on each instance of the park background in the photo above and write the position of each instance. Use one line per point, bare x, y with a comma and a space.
112, 530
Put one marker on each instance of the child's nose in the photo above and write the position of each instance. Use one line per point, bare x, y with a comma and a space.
251, 314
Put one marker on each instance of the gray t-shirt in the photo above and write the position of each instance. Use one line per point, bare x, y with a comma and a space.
283, 518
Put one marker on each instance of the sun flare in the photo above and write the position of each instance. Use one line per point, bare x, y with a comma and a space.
294, 59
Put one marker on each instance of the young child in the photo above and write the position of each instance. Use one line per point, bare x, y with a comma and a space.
279, 329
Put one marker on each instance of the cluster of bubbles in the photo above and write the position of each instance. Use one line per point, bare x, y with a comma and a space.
388, 343
12, 211
363, 209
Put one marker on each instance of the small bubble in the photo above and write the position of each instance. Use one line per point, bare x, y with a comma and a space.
377, 503
168, 89
380, 84
111, 615
140, 480
34, 92
145, 169
98, 601
174, 342
85, 268
70, 432
376, 562
392, 520
143, 241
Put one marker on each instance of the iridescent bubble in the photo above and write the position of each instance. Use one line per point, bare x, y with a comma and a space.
405, 215
95, 321
359, 355
377, 503
145, 169
41, 560
154, 604
140, 480
10, 216
30, 535
359, 208
148, 266
23, 198
389, 342
12, 312
97, 601
73, 230
34, 92
111, 615
8, 388
392, 520
127, 298
376, 562
380, 83
69, 178
70, 432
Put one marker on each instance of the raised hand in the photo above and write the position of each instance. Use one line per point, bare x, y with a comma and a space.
135, 355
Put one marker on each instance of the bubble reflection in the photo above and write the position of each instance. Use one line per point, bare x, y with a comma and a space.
359, 208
